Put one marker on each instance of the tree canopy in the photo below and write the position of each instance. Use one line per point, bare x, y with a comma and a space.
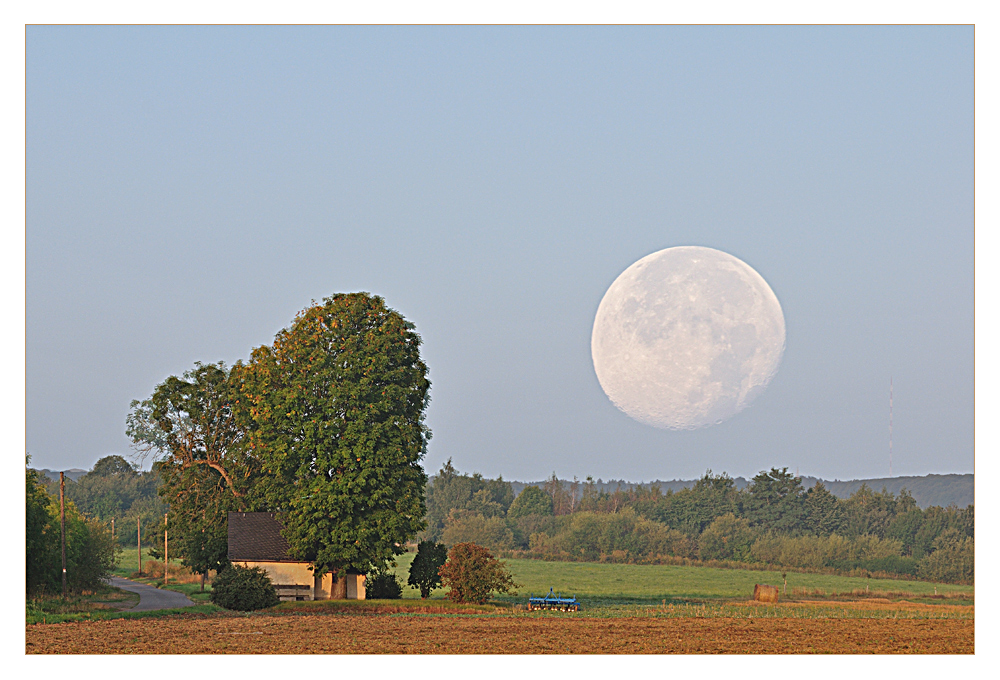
473, 574
333, 411
324, 427
531, 501
424, 570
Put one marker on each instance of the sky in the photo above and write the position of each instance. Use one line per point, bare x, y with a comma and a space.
189, 189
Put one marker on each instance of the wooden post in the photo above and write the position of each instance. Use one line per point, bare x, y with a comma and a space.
62, 531
166, 555
138, 540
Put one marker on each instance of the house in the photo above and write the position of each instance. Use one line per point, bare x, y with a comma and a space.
255, 540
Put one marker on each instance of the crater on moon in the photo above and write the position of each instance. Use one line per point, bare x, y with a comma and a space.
687, 337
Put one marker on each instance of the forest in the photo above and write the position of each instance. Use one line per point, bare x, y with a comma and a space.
773, 522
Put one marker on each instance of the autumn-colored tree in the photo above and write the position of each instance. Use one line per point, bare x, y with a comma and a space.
334, 412
473, 574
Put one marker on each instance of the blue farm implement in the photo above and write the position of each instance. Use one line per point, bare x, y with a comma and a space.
553, 602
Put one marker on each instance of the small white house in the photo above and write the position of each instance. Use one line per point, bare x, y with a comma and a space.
255, 540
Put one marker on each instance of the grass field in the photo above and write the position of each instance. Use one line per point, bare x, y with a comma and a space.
128, 562
633, 609
616, 584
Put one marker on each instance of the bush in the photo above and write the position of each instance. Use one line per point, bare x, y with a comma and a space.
382, 584
953, 560
90, 553
473, 574
728, 537
243, 589
463, 526
621, 536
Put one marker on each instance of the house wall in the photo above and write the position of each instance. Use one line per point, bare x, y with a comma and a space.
328, 588
285, 573
349, 587
355, 586
325, 587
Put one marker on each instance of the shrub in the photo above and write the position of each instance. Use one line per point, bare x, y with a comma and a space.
463, 526
243, 589
728, 537
805, 552
524, 527
621, 536
90, 553
424, 568
473, 574
382, 584
953, 560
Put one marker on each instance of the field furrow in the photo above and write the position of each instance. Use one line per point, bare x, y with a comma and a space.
500, 634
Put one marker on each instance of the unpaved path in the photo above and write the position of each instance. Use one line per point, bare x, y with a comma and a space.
151, 598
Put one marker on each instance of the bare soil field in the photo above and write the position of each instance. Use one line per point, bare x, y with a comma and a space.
402, 633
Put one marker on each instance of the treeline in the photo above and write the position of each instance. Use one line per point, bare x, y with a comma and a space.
773, 521
114, 489
90, 550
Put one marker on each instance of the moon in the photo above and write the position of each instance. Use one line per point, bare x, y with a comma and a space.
687, 337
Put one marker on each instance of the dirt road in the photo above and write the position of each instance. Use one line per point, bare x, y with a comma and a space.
151, 598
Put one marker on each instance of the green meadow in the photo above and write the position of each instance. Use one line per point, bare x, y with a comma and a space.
617, 586
128, 562
612, 584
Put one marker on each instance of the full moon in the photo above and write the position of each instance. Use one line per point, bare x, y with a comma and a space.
687, 337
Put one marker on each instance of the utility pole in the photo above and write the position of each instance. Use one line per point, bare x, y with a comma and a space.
166, 555
62, 522
112, 529
138, 540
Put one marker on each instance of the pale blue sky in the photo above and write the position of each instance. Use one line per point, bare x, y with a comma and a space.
190, 189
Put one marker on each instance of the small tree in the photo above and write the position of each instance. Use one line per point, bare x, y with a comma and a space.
531, 501
473, 574
243, 589
424, 574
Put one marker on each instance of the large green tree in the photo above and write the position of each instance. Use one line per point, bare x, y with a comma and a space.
450, 490
531, 501
90, 553
334, 412
39, 546
776, 501
204, 466
692, 510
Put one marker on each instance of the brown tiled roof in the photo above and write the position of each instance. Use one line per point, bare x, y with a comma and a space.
256, 537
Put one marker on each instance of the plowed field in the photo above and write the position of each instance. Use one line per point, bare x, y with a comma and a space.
499, 634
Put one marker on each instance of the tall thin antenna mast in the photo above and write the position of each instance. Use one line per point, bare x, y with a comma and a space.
890, 426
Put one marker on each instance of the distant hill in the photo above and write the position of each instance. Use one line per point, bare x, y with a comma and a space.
928, 490
942, 490
73, 474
